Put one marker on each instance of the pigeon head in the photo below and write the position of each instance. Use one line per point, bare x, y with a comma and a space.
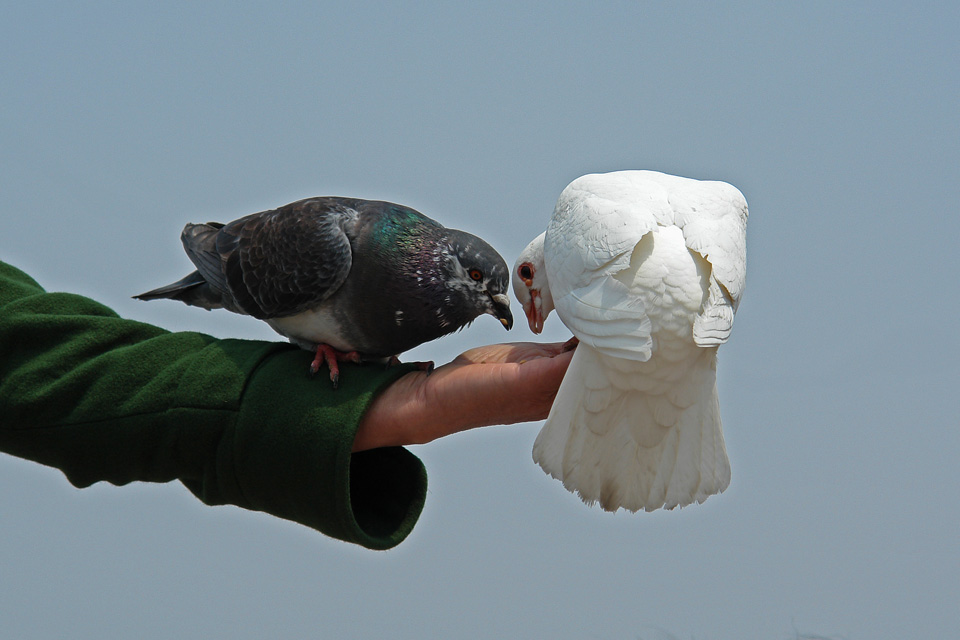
530, 284
479, 274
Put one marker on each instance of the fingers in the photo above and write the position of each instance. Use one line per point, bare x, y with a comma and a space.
512, 352
549, 370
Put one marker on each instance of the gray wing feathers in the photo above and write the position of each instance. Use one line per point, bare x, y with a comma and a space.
281, 262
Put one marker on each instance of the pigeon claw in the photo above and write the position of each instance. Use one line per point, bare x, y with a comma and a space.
331, 357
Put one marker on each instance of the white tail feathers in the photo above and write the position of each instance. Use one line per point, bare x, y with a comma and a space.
637, 435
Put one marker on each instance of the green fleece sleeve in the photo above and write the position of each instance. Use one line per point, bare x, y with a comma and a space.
236, 421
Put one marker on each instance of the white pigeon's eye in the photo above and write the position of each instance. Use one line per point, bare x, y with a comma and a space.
476, 274
526, 273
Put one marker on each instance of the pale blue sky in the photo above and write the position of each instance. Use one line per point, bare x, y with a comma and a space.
839, 387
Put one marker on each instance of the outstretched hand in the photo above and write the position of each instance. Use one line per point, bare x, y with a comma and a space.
494, 384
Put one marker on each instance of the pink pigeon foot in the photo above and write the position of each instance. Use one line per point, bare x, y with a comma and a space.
330, 356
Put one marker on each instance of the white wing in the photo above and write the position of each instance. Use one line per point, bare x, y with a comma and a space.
713, 217
597, 224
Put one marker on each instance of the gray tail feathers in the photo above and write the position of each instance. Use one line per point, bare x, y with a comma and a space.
192, 290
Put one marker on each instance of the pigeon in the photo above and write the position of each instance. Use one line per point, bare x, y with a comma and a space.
349, 279
647, 270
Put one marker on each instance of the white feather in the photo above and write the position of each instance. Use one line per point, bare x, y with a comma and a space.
647, 270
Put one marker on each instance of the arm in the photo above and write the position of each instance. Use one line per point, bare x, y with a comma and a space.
104, 398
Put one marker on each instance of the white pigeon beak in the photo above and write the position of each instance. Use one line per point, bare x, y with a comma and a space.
535, 311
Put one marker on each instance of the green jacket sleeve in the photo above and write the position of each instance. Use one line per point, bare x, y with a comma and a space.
236, 421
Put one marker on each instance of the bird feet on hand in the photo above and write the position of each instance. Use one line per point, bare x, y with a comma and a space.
330, 356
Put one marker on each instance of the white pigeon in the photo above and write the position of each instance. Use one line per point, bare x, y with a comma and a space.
646, 269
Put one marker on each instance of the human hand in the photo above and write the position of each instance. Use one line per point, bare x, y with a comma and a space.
493, 384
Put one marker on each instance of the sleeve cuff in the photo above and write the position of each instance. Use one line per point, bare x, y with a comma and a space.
290, 454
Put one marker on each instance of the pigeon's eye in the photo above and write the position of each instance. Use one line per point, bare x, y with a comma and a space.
476, 274
525, 272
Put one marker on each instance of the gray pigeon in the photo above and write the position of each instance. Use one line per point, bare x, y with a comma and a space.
349, 279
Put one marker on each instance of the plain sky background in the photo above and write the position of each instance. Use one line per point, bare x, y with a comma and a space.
839, 121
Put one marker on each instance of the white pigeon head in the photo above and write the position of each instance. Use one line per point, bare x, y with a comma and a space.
530, 284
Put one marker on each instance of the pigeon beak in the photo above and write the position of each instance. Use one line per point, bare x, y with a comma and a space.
501, 310
534, 311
